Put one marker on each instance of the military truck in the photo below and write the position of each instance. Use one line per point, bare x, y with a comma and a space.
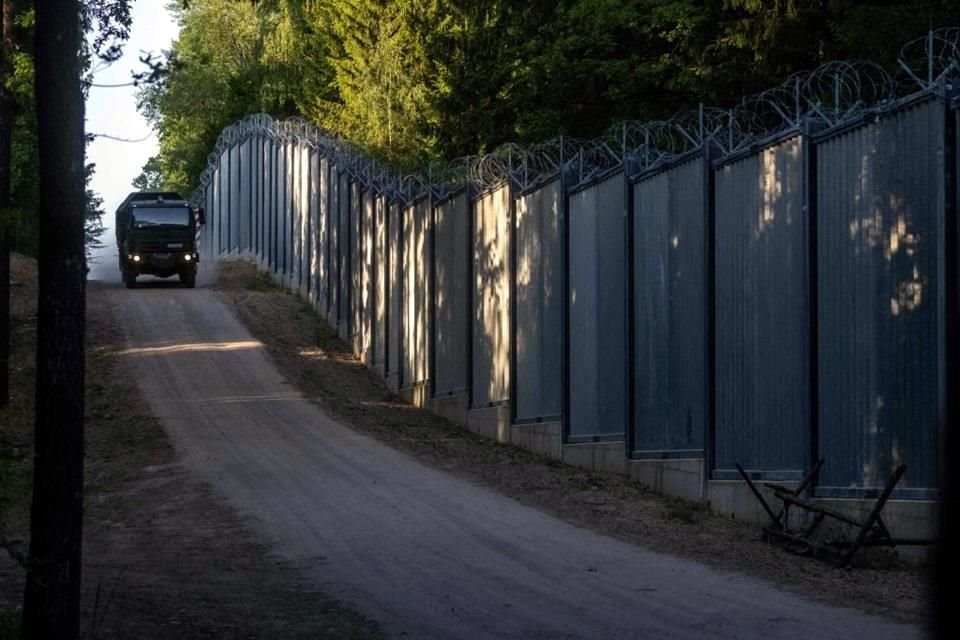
157, 235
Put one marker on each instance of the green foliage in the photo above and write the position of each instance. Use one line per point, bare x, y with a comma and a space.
417, 80
151, 178
24, 163
110, 22
93, 215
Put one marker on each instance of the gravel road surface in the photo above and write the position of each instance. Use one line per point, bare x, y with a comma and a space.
425, 554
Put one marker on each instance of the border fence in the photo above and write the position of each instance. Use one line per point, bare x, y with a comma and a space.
765, 285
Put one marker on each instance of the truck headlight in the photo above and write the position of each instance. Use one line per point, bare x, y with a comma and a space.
136, 258
188, 257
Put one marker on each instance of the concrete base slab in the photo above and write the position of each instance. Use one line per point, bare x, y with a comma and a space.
453, 408
914, 519
682, 478
597, 456
734, 499
491, 422
417, 395
542, 438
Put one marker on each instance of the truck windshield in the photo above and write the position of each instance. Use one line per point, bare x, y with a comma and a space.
153, 216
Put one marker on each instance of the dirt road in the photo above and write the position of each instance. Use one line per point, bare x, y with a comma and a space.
425, 554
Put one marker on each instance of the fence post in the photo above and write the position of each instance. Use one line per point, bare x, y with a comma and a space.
711, 151
809, 150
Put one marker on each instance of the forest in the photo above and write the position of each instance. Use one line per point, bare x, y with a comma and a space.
415, 81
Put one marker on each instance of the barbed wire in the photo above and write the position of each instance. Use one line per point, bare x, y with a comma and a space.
932, 59
833, 94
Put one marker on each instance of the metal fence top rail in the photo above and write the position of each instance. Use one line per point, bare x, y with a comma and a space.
830, 96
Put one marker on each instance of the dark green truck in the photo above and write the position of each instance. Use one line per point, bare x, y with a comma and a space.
157, 235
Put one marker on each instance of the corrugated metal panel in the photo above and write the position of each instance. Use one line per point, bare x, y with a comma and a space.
597, 316
381, 254
881, 299
356, 265
539, 284
670, 291
344, 241
762, 313
394, 299
450, 340
415, 292
368, 281
491, 297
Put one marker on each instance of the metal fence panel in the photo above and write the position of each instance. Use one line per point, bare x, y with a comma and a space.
381, 262
762, 313
333, 181
313, 239
256, 154
243, 202
284, 233
539, 324
274, 217
307, 227
323, 235
223, 191
290, 197
234, 209
880, 229
394, 298
367, 250
416, 267
356, 265
267, 199
346, 274
208, 228
251, 185
296, 216
597, 313
670, 300
450, 275
491, 297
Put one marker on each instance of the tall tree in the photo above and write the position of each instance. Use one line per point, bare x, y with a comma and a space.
7, 115
52, 595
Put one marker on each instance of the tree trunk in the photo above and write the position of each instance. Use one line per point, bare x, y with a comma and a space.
7, 115
52, 596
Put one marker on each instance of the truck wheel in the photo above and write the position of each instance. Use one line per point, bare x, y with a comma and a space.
130, 279
189, 279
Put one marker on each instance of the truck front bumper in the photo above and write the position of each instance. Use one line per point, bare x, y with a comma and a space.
162, 264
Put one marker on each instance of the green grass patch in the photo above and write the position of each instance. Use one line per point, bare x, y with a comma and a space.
261, 282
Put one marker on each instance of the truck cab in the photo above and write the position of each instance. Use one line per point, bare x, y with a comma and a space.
157, 235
